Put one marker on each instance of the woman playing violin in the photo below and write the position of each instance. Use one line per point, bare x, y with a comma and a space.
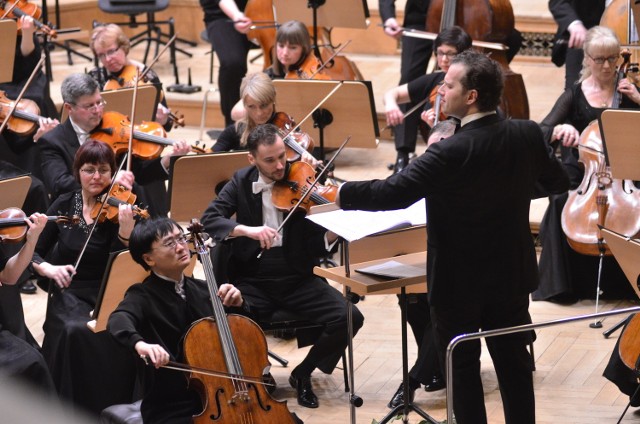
566, 275
294, 57
111, 46
258, 97
89, 369
19, 356
448, 43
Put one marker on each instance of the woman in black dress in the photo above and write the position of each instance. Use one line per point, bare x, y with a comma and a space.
89, 369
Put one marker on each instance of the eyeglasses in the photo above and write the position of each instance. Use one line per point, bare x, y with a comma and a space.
108, 53
449, 55
90, 172
600, 60
92, 108
173, 242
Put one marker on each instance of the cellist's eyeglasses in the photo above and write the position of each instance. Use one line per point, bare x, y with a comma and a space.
90, 172
173, 242
108, 53
600, 60
92, 108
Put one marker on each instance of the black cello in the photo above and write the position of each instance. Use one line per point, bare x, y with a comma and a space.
237, 345
485, 20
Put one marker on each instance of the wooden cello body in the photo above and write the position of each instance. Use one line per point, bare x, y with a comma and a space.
485, 20
598, 200
235, 345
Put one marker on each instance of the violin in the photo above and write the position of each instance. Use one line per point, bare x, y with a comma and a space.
286, 193
236, 345
599, 199
13, 227
149, 138
118, 195
128, 78
23, 8
25, 117
296, 143
311, 68
434, 99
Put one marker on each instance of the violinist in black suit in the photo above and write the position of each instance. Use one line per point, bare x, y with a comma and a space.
574, 18
85, 106
479, 181
282, 278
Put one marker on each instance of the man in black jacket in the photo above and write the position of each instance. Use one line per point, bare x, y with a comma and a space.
282, 277
481, 262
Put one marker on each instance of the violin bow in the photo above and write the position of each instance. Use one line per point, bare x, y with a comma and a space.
310, 189
132, 120
155, 59
324, 64
24, 89
409, 112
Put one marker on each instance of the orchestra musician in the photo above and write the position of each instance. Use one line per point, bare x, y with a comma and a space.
111, 46
448, 44
19, 356
473, 285
293, 52
155, 314
90, 370
574, 18
282, 278
414, 59
226, 28
258, 104
83, 102
426, 370
565, 275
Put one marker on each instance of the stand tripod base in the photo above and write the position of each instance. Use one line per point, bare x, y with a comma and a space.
597, 324
404, 410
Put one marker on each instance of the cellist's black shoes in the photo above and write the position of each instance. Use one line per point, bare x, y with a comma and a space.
436, 383
306, 397
401, 162
28, 287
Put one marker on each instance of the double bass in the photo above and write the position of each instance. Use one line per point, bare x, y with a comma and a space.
485, 20
236, 345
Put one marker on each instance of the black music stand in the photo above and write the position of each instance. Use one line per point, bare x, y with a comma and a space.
350, 110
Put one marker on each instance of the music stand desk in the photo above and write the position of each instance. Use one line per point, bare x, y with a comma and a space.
13, 191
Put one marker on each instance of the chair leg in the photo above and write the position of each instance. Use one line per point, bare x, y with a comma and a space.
345, 373
628, 404
278, 358
533, 357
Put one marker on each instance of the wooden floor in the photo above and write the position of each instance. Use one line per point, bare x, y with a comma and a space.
569, 359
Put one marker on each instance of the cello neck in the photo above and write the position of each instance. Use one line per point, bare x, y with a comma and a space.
448, 14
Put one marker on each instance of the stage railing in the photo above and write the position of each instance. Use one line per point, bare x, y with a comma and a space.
509, 330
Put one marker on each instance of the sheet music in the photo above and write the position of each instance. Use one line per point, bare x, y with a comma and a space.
354, 225
392, 270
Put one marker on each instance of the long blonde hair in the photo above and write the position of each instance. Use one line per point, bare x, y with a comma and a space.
600, 38
259, 87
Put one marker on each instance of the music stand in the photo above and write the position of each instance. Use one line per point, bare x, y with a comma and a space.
195, 179
9, 34
120, 101
13, 191
349, 111
621, 149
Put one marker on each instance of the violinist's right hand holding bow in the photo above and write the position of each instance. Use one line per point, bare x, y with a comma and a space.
567, 134
265, 235
61, 275
392, 28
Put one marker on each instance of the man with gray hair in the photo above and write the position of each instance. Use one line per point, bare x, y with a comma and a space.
85, 107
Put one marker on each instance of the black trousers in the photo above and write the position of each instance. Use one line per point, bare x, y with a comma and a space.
314, 300
427, 365
413, 63
511, 359
232, 49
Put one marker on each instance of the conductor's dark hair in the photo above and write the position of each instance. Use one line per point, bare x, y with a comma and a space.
145, 233
454, 36
265, 134
483, 75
